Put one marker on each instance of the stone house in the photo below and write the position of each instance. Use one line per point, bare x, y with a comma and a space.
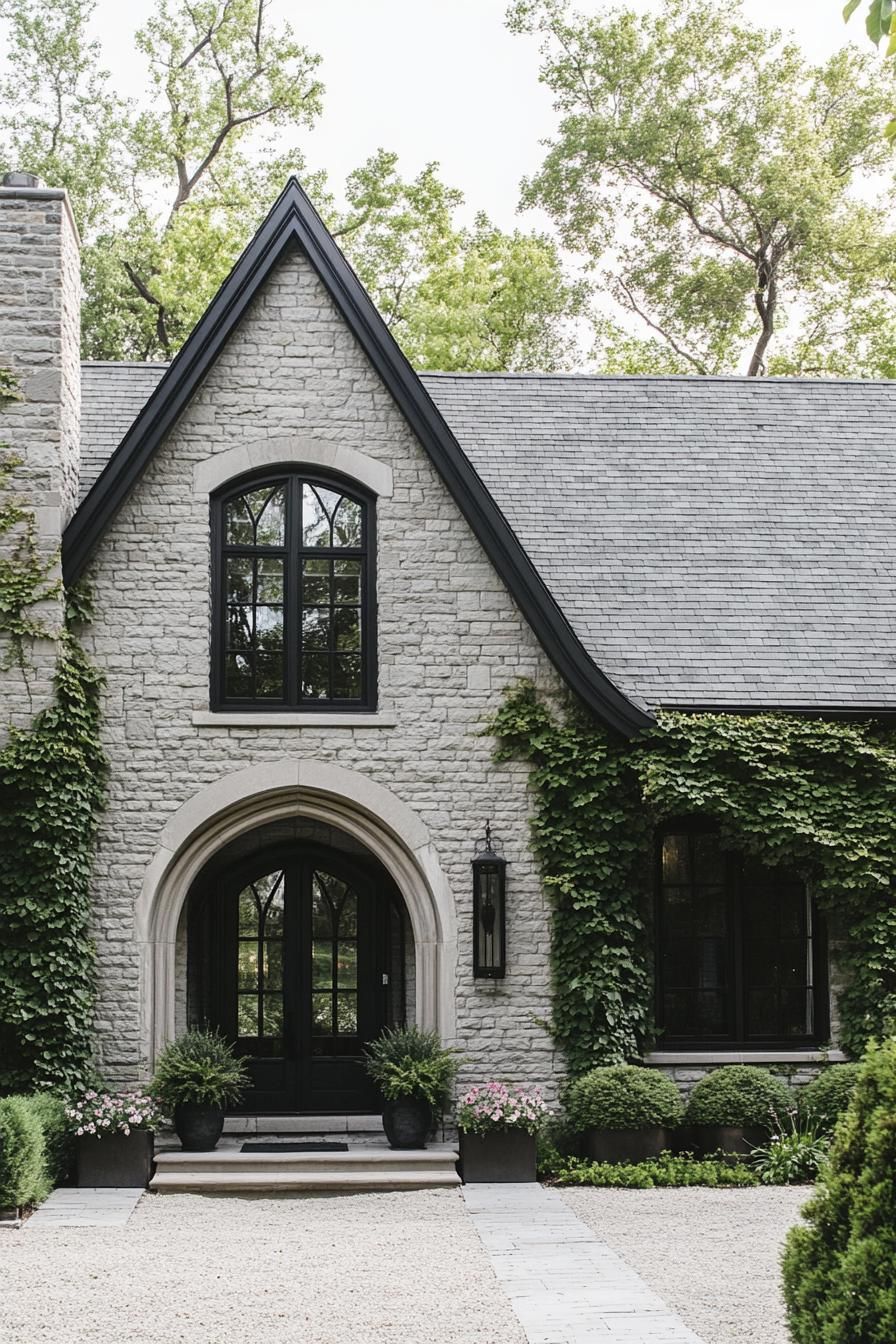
315, 574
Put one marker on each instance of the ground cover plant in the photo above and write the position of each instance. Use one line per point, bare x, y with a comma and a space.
839, 1284
666, 1171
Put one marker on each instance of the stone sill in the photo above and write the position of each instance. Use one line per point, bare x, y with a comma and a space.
712, 1057
204, 718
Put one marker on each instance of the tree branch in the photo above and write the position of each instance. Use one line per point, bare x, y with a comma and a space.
670, 340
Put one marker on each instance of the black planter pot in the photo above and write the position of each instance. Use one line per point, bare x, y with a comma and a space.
739, 1139
198, 1127
624, 1145
407, 1122
502, 1155
122, 1160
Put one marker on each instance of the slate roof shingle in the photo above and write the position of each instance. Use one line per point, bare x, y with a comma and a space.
712, 541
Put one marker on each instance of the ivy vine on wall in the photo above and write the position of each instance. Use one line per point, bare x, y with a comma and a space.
26, 578
52, 785
814, 796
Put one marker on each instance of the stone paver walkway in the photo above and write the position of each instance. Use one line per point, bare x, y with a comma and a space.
85, 1208
565, 1285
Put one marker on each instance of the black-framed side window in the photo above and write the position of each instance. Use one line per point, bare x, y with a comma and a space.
741, 953
294, 623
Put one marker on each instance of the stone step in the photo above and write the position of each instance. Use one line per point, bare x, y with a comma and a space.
360, 1169
304, 1124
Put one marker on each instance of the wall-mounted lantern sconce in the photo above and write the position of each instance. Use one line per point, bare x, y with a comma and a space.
489, 886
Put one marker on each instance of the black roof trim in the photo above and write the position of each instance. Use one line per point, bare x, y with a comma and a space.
293, 220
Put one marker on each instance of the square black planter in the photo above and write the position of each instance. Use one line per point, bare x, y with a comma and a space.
503, 1155
122, 1160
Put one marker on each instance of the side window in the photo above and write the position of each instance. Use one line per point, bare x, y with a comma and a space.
739, 954
293, 600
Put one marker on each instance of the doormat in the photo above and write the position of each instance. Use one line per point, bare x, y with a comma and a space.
294, 1148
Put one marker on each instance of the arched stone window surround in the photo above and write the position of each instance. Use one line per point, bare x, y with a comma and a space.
324, 792
293, 451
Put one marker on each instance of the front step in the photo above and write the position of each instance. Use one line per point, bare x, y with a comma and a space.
231, 1172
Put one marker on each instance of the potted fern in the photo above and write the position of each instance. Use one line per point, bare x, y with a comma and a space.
414, 1073
196, 1077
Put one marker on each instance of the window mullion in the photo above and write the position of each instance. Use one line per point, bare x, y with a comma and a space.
292, 593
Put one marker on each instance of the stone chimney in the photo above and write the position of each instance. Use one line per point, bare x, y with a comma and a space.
40, 315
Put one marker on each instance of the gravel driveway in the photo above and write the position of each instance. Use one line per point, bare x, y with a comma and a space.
712, 1254
378, 1268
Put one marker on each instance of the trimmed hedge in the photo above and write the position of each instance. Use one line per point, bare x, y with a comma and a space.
839, 1284
739, 1094
622, 1096
35, 1148
23, 1165
59, 1141
822, 1102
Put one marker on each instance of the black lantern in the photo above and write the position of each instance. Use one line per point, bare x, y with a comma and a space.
489, 948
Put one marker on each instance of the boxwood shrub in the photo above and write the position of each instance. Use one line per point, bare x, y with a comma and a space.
23, 1165
839, 1284
622, 1096
36, 1148
822, 1102
59, 1142
740, 1095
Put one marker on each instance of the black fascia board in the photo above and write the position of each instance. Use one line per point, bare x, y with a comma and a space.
293, 220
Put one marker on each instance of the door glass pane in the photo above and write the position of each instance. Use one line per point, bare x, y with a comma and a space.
273, 1015
321, 909
347, 1014
347, 965
348, 915
273, 969
247, 965
322, 1014
247, 1015
322, 965
248, 912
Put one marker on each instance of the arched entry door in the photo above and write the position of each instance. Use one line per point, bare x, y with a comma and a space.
297, 956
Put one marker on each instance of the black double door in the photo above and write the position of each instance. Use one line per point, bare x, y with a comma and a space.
293, 959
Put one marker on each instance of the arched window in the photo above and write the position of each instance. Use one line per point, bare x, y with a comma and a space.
294, 605
740, 952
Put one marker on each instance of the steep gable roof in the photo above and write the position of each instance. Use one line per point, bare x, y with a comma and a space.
293, 222
725, 543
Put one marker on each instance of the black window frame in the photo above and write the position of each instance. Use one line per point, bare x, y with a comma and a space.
294, 552
737, 1039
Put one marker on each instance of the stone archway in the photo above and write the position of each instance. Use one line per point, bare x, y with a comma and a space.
319, 791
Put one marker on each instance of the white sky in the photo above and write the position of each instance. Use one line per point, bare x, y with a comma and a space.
439, 79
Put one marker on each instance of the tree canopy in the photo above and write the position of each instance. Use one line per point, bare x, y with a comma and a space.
168, 191
716, 182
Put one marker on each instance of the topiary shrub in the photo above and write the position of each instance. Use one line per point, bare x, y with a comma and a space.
822, 1102
622, 1096
839, 1284
59, 1144
739, 1095
23, 1170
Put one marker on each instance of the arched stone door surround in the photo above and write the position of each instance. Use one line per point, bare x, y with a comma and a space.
323, 792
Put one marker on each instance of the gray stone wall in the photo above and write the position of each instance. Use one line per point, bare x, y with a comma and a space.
450, 641
40, 313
